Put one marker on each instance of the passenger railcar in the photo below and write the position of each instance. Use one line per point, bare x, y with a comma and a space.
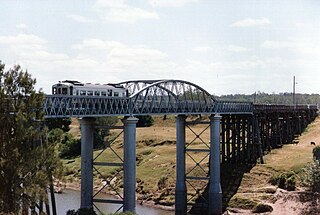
76, 88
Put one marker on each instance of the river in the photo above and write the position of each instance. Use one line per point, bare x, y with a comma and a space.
70, 199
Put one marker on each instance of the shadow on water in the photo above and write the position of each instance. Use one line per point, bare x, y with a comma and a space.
231, 177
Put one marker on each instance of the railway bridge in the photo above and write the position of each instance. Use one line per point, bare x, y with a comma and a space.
240, 132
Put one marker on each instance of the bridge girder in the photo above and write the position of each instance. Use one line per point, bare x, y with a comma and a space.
147, 97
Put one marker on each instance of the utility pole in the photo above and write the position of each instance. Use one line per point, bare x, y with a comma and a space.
294, 91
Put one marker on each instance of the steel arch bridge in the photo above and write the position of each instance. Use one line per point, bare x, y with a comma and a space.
146, 97
243, 130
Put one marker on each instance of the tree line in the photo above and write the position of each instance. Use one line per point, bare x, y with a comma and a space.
27, 156
280, 98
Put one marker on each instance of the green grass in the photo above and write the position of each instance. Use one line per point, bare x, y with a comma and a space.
156, 159
243, 202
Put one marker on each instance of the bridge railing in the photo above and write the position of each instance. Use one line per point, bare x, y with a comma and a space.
282, 108
79, 106
231, 107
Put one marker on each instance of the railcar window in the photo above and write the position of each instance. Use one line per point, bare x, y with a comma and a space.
77, 92
97, 93
59, 90
64, 91
54, 90
109, 92
83, 92
103, 93
116, 94
90, 93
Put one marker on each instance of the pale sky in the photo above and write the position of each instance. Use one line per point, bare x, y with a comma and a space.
224, 46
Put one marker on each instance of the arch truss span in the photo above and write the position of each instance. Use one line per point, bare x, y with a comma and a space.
145, 97
169, 97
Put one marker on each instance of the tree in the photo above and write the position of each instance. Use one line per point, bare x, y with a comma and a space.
26, 157
100, 134
311, 177
62, 123
71, 147
145, 121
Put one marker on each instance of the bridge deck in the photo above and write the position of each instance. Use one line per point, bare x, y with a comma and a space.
77, 106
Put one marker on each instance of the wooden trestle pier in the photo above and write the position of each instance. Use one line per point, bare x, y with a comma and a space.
245, 138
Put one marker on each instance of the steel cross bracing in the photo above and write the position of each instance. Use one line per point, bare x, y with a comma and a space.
146, 97
197, 153
113, 162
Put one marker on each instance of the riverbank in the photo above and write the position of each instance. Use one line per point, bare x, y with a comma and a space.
255, 185
156, 170
70, 200
156, 158
62, 187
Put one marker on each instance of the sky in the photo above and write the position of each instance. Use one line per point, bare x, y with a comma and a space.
224, 46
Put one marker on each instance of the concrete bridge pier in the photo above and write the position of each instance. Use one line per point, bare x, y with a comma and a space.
215, 191
181, 188
87, 128
129, 182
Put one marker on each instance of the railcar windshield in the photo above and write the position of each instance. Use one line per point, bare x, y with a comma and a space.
60, 90
64, 91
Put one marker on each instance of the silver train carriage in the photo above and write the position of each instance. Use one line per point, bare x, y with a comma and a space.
76, 88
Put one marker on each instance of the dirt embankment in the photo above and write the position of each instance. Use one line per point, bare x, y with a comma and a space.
156, 153
288, 159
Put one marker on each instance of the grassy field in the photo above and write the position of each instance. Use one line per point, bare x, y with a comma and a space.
290, 159
156, 158
244, 186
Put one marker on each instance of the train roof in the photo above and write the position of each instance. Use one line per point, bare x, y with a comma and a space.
73, 82
77, 83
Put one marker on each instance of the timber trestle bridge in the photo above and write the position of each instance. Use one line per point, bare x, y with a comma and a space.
240, 132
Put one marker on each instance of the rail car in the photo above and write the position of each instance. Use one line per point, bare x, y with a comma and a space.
76, 88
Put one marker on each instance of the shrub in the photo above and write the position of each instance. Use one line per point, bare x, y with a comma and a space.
82, 211
316, 153
98, 139
162, 183
62, 123
262, 208
291, 183
55, 135
145, 121
100, 134
242, 202
311, 177
70, 147
284, 181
